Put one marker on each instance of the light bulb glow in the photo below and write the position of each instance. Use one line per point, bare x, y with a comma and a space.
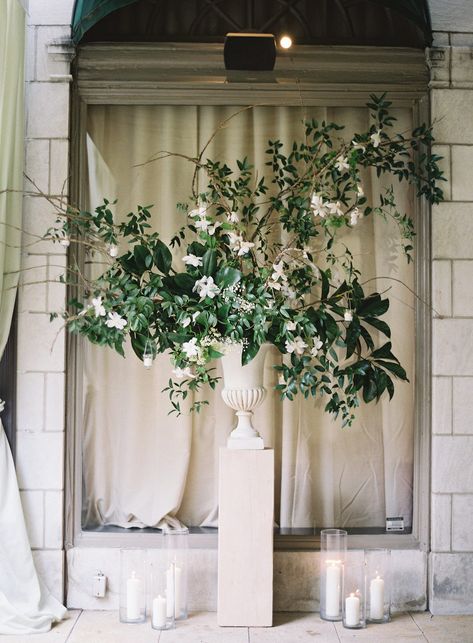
285, 42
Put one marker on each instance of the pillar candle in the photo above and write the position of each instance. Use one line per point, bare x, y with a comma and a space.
333, 590
377, 599
174, 590
352, 611
133, 597
159, 611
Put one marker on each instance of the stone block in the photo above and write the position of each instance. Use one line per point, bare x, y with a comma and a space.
450, 583
50, 12
452, 230
452, 347
461, 39
409, 580
463, 405
442, 405
56, 289
462, 162
40, 343
53, 519
37, 165
40, 460
440, 39
38, 216
462, 288
454, 15
441, 522
33, 511
30, 54
33, 283
445, 166
30, 402
59, 170
55, 406
462, 523
462, 66
452, 115
451, 464
47, 64
51, 99
442, 288
50, 567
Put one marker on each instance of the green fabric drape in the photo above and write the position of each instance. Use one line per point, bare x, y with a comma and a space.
88, 12
12, 47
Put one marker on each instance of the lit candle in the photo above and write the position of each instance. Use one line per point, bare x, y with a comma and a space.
333, 589
174, 590
377, 599
133, 597
352, 611
159, 611
147, 361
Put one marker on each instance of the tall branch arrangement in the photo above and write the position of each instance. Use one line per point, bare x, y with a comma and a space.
255, 262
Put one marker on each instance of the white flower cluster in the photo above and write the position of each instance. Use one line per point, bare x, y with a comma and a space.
239, 245
206, 287
298, 346
279, 281
202, 222
325, 209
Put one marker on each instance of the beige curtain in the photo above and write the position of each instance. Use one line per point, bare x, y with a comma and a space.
142, 466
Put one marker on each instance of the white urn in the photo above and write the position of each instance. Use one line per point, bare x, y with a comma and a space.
243, 391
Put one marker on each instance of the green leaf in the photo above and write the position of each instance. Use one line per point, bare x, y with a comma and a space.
394, 368
162, 257
227, 277
379, 325
369, 390
209, 262
182, 283
373, 306
249, 352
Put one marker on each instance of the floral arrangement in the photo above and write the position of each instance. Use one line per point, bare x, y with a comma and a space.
254, 262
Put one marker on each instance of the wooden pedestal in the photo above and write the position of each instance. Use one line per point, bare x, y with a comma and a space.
245, 538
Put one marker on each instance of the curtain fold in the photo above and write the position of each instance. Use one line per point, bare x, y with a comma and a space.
26, 607
143, 467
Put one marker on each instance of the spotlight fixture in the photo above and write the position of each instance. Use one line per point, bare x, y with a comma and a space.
285, 42
249, 51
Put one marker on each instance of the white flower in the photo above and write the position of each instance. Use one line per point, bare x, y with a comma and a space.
65, 241
281, 379
206, 287
182, 372
348, 316
233, 217
192, 260
355, 214
358, 146
278, 271
360, 190
318, 343
199, 212
318, 206
290, 325
202, 224
335, 209
245, 247
113, 250
297, 346
185, 322
2, 405
195, 315
190, 348
288, 292
115, 321
211, 229
99, 309
376, 138
342, 164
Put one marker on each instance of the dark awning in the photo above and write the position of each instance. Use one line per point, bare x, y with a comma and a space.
88, 13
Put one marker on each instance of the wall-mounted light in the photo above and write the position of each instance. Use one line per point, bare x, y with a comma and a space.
285, 42
249, 51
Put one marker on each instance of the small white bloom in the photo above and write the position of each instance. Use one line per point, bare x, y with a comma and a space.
198, 213
195, 315
287, 291
185, 322
206, 287
342, 164
297, 346
358, 146
2, 405
354, 216
115, 321
233, 217
318, 206
65, 241
348, 316
192, 260
335, 209
281, 379
290, 325
202, 224
190, 348
318, 343
182, 372
376, 138
360, 190
245, 247
278, 271
211, 229
113, 250
99, 309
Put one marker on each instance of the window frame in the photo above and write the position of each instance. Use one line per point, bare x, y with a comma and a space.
159, 73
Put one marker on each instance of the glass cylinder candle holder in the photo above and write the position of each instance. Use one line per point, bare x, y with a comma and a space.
354, 591
161, 617
333, 549
378, 585
132, 585
175, 545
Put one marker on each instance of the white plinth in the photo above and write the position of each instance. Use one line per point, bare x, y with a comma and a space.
245, 538
245, 443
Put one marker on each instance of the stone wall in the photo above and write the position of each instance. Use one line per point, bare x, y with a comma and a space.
451, 558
